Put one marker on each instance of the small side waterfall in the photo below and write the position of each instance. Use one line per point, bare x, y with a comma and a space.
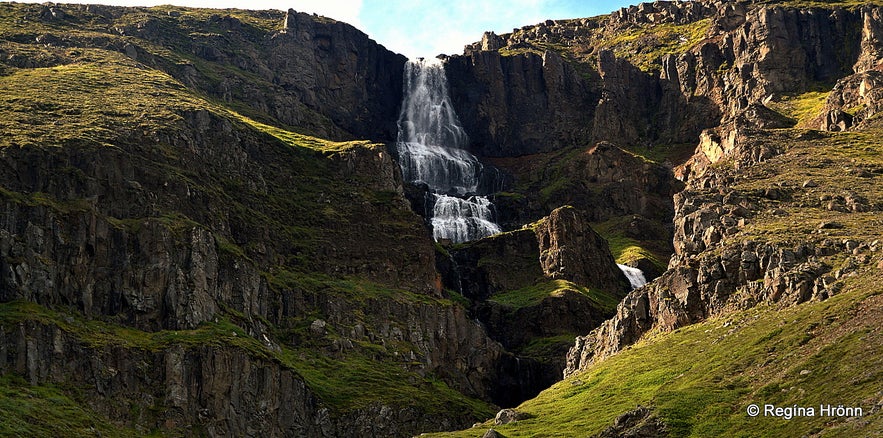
431, 150
635, 275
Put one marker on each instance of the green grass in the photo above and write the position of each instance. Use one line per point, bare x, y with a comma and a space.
300, 140
533, 295
803, 108
46, 200
44, 410
831, 160
668, 154
627, 250
699, 379
645, 46
363, 376
359, 379
352, 288
545, 348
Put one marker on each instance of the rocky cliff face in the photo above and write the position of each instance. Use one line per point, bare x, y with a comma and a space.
731, 250
339, 72
198, 265
683, 67
171, 251
536, 286
181, 266
523, 104
563, 238
319, 75
717, 74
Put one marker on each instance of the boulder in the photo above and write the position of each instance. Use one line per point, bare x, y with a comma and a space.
507, 416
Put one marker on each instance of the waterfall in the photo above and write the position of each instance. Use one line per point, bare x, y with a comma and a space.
635, 275
431, 150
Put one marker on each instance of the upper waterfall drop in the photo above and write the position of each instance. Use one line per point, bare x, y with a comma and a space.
431, 150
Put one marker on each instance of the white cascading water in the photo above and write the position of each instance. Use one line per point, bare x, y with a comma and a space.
635, 275
430, 146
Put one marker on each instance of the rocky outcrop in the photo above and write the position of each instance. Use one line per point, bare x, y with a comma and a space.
508, 416
338, 71
561, 247
571, 250
749, 55
659, 13
853, 100
188, 381
640, 422
715, 271
871, 57
604, 181
695, 288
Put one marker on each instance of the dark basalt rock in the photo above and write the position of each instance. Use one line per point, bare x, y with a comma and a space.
522, 104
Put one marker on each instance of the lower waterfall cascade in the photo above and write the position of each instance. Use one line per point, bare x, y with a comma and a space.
635, 275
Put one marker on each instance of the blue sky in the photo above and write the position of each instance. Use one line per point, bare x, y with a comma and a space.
416, 27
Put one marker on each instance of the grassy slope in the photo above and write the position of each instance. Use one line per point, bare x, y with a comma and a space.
701, 378
39, 411
533, 295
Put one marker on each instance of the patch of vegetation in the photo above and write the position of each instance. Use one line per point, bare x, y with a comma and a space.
94, 99
701, 378
627, 250
802, 108
300, 140
544, 348
645, 46
365, 375
354, 289
44, 410
842, 164
670, 155
358, 380
458, 299
46, 200
533, 295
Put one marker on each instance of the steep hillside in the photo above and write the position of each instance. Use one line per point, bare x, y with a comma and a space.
770, 293
205, 230
175, 258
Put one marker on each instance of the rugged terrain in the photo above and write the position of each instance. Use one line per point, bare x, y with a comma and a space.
203, 231
770, 294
